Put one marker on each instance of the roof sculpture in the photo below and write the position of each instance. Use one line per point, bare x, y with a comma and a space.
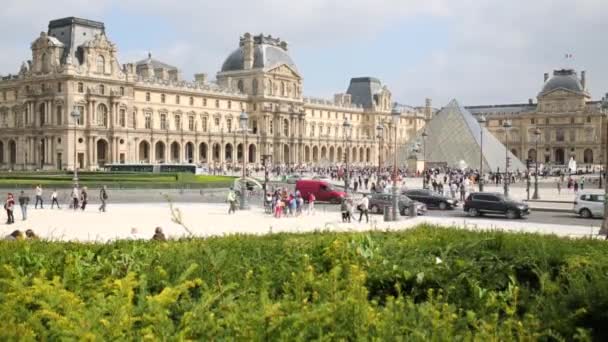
454, 136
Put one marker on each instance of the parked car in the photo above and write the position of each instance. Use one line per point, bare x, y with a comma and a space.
379, 201
589, 205
431, 198
479, 203
322, 190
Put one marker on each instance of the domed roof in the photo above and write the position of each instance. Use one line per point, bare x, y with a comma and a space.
565, 79
268, 53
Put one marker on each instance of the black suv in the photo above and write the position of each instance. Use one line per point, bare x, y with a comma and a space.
479, 203
431, 198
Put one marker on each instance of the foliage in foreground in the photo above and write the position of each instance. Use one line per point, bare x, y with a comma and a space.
424, 284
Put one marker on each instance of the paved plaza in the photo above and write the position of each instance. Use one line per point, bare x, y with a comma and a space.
205, 220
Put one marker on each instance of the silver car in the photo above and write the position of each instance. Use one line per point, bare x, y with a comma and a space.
589, 205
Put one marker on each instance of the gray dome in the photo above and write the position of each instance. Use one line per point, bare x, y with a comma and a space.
565, 79
264, 56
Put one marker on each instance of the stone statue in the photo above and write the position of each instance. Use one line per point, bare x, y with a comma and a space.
572, 165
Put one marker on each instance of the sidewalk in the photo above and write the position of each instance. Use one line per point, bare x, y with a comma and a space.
205, 220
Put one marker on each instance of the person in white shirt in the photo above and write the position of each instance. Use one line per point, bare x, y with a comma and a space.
54, 199
38, 197
364, 208
75, 196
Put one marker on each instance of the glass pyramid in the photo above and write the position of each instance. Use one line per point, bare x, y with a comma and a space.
454, 137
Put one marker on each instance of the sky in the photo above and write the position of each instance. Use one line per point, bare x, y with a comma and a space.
475, 51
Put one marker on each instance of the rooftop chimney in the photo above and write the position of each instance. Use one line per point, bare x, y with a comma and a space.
530, 101
546, 77
584, 80
200, 78
247, 51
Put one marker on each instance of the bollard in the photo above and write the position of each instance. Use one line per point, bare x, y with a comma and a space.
387, 213
412, 211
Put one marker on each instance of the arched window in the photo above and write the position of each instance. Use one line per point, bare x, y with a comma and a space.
101, 64
254, 87
240, 86
44, 61
102, 115
178, 122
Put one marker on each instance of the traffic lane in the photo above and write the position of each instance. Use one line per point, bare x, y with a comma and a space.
535, 216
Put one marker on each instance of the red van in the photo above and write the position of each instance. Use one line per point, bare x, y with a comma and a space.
322, 190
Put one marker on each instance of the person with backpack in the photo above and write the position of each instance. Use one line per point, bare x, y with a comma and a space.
103, 197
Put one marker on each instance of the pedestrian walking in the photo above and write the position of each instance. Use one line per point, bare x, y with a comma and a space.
54, 199
9, 205
24, 200
38, 197
582, 183
75, 196
463, 191
84, 198
103, 197
311, 203
231, 199
344, 209
575, 187
364, 208
559, 187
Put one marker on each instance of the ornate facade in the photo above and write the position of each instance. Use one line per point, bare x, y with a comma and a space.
571, 124
144, 112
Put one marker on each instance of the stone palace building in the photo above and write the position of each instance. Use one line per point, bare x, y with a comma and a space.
571, 124
144, 112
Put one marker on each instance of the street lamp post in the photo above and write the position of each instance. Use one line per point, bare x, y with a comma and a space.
424, 135
604, 228
537, 133
380, 135
506, 125
395, 115
244, 120
482, 121
76, 116
265, 158
346, 127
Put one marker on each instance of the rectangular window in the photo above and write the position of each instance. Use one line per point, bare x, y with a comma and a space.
229, 104
122, 91
559, 135
176, 99
191, 123
163, 121
81, 117
134, 119
148, 97
59, 87
533, 121
162, 98
178, 122
217, 122
204, 102
204, 124
217, 103
148, 121
191, 100
122, 117
59, 115
229, 125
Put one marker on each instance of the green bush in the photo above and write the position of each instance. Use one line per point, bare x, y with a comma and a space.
419, 285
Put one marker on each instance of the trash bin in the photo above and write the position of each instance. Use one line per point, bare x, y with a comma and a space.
388, 213
412, 212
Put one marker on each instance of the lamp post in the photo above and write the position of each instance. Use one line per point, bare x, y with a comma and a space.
346, 128
265, 158
506, 125
424, 135
76, 116
395, 115
243, 120
537, 134
482, 121
380, 135
604, 228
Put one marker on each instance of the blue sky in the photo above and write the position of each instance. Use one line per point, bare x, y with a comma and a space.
477, 51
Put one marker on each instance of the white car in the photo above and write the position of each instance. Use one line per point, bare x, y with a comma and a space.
589, 205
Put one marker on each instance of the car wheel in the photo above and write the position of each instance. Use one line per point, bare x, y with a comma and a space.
585, 213
443, 206
374, 209
335, 201
473, 212
511, 214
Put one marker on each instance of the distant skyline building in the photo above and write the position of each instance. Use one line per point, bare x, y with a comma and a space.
144, 112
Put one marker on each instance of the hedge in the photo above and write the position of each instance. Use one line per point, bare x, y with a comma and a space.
426, 284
